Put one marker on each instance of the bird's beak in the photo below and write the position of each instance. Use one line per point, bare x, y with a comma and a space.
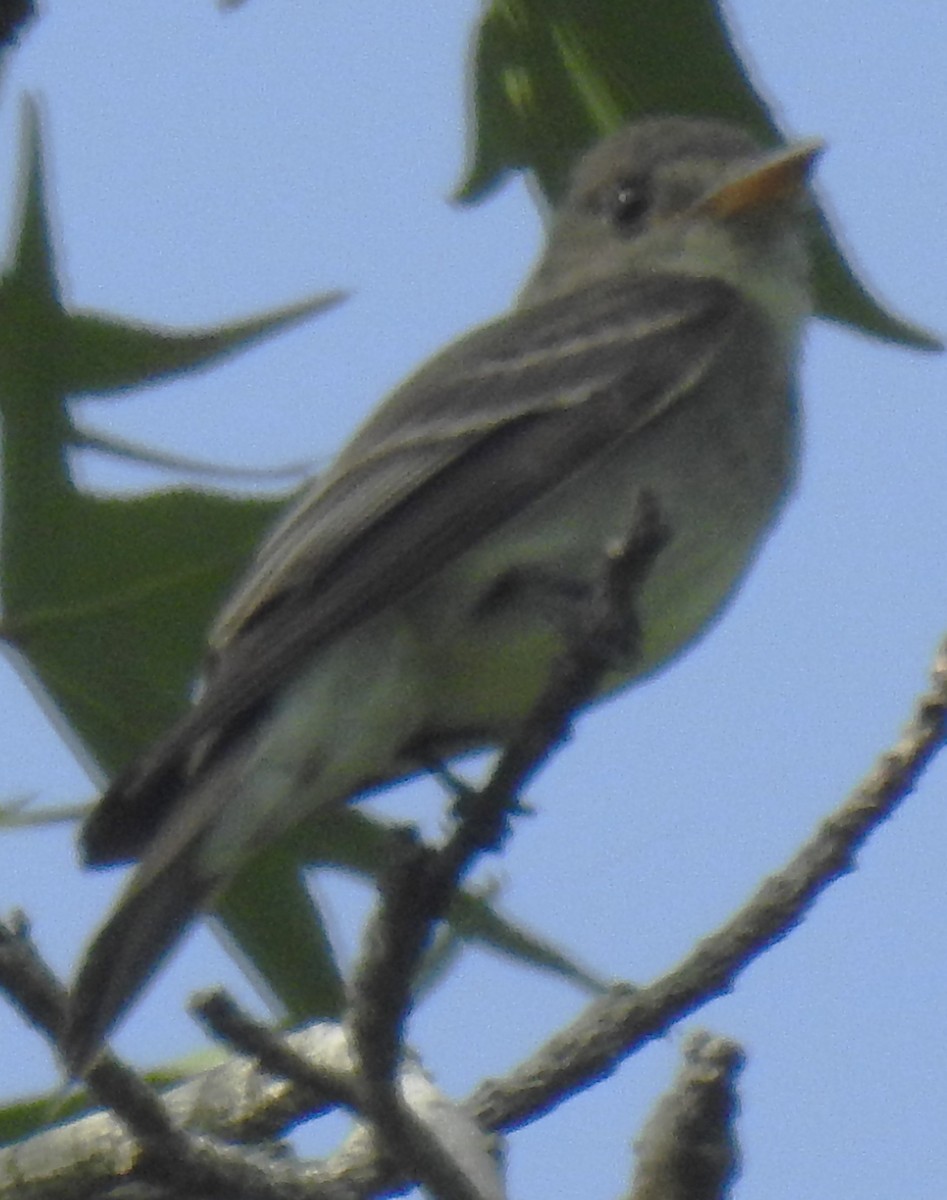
778, 176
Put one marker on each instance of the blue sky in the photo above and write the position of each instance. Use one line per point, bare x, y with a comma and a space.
209, 166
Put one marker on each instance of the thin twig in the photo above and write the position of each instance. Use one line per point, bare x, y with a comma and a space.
227, 1022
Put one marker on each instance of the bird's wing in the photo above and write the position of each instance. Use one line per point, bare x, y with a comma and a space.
441, 462
484, 430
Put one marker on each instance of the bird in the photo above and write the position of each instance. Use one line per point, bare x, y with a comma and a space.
413, 600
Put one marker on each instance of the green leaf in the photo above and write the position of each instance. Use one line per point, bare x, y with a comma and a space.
105, 599
475, 920
100, 355
553, 76
352, 840
30, 1115
269, 915
22, 812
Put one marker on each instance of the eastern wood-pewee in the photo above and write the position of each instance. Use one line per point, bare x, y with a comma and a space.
395, 613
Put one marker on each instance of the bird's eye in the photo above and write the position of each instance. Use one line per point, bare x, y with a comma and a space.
627, 205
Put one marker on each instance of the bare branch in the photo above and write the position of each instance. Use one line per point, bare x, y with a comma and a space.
612, 1028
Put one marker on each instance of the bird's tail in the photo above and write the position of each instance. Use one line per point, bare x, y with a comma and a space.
154, 912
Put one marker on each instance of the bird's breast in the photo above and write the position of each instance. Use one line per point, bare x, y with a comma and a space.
719, 465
